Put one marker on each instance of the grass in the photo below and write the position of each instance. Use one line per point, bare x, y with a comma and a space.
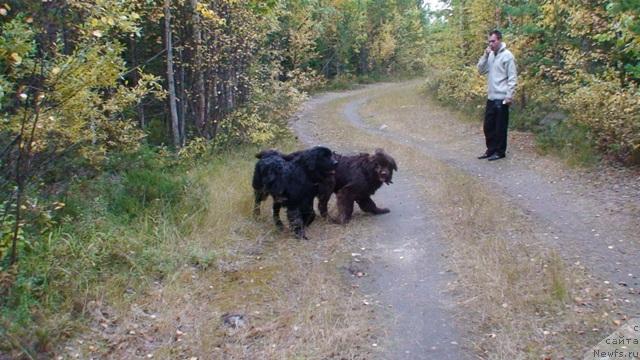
573, 143
523, 292
157, 253
290, 292
108, 241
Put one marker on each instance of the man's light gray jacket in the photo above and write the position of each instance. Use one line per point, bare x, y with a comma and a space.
502, 73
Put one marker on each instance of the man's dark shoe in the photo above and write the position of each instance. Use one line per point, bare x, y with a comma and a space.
484, 156
495, 157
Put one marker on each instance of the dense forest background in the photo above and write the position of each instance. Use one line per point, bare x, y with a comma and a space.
105, 105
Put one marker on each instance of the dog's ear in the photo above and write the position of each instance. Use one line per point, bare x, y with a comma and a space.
387, 158
392, 162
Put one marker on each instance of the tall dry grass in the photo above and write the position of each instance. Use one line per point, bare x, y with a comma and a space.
292, 294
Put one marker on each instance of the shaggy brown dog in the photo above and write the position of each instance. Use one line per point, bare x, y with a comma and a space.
357, 178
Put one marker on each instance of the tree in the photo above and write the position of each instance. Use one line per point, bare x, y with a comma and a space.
175, 127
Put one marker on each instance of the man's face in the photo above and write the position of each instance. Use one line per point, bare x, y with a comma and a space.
494, 42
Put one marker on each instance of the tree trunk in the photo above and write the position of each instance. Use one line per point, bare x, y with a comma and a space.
182, 98
175, 130
135, 77
199, 110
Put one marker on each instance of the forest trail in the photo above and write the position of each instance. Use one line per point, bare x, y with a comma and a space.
589, 217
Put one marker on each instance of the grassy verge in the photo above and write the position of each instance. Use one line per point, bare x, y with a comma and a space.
522, 299
290, 293
110, 242
152, 256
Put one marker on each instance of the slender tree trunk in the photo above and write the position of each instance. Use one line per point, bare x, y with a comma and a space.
23, 166
141, 116
214, 113
135, 77
182, 99
199, 111
175, 130
20, 185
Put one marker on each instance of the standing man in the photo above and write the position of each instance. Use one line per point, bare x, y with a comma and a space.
500, 65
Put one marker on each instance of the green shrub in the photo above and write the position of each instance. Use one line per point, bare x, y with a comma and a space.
139, 188
108, 234
572, 141
612, 113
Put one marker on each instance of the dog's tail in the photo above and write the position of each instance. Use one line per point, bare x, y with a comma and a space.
257, 178
268, 152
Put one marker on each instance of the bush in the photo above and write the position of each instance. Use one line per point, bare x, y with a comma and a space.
449, 88
572, 141
141, 187
111, 236
612, 113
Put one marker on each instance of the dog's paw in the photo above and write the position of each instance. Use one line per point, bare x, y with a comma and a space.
301, 236
384, 211
339, 220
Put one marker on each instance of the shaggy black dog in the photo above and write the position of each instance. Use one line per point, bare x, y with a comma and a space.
357, 178
292, 183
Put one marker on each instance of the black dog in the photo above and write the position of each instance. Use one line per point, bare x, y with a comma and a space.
292, 183
357, 178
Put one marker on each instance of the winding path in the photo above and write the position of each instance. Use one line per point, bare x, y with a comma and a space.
592, 224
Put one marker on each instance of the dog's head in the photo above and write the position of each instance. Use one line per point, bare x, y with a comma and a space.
383, 165
318, 161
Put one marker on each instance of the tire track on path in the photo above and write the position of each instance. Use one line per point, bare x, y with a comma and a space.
407, 275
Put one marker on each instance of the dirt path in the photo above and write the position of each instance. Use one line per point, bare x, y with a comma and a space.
590, 218
406, 274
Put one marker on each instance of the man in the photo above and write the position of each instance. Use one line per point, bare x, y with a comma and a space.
500, 65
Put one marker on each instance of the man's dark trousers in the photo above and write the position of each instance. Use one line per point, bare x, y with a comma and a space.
496, 122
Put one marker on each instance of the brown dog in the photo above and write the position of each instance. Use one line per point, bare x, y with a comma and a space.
357, 178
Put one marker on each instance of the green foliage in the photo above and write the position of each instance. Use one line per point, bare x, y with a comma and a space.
611, 113
354, 37
17, 47
571, 141
449, 89
114, 231
580, 57
7, 228
141, 187
264, 118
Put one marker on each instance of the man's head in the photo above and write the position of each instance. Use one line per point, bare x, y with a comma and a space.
495, 40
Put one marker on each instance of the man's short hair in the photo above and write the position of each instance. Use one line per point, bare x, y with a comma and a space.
497, 33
